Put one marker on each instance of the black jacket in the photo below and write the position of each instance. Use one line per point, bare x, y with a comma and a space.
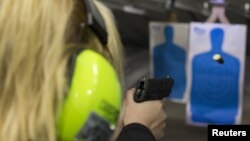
135, 132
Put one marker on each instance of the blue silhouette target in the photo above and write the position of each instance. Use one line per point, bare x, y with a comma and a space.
215, 84
169, 59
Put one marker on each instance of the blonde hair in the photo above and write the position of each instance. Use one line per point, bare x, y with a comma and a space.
34, 53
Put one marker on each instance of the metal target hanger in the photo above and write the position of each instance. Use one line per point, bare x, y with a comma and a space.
218, 12
170, 6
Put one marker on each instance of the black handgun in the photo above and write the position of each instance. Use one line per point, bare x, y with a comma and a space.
153, 89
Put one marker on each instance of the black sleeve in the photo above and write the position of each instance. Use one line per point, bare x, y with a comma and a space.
135, 132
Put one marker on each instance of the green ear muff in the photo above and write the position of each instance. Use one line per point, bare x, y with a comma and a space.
94, 88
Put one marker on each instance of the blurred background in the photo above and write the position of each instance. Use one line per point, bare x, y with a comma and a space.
133, 17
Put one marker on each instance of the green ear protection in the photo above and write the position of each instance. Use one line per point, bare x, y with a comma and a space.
92, 105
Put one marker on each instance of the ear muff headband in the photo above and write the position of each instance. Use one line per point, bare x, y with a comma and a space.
95, 21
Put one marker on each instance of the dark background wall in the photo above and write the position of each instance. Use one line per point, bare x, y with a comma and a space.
134, 27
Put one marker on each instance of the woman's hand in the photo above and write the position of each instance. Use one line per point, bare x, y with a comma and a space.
150, 114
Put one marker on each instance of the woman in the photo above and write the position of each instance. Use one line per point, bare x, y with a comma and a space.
37, 40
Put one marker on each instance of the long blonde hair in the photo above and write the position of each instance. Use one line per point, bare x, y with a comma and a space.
34, 52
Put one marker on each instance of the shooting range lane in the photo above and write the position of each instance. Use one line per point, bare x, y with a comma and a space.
136, 43
177, 129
